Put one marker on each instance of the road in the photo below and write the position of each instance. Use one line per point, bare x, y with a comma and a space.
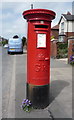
7, 74
14, 88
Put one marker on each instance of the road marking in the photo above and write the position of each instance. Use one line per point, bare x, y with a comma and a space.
11, 106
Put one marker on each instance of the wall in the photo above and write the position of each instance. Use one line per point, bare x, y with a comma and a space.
53, 51
68, 26
65, 25
55, 33
69, 34
70, 48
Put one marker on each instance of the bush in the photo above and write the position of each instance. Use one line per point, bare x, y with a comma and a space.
72, 60
62, 45
0, 43
62, 50
4, 42
24, 41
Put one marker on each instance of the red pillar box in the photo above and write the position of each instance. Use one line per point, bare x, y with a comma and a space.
38, 55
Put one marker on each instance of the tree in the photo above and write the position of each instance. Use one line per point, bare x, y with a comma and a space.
52, 37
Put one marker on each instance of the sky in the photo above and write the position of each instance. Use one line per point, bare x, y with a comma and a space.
12, 21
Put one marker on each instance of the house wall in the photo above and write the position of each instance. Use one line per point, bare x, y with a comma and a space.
73, 26
53, 50
70, 48
55, 33
69, 34
65, 25
68, 26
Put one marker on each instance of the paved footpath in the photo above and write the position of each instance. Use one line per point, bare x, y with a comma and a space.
60, 90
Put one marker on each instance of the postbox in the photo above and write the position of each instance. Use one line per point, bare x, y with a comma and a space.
38, 55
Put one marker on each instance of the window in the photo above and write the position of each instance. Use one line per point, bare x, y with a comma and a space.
61, 38
62, 27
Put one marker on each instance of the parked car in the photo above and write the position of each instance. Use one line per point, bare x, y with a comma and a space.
15, 45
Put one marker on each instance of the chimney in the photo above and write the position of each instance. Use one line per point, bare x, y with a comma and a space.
68, 13
31, 6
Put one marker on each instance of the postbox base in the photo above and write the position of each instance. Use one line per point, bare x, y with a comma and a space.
38, 95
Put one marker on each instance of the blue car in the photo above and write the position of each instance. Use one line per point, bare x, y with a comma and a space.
15, 45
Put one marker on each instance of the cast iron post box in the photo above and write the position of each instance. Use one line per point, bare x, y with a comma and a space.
38, 55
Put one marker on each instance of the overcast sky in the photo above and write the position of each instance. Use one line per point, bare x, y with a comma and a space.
12, 19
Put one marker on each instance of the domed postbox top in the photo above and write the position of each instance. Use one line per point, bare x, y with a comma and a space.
39, 14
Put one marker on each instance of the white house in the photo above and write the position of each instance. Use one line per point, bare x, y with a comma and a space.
66, 27
0, 38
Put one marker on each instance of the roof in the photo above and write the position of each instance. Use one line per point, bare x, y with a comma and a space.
69, 17
56, 27
68, 13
